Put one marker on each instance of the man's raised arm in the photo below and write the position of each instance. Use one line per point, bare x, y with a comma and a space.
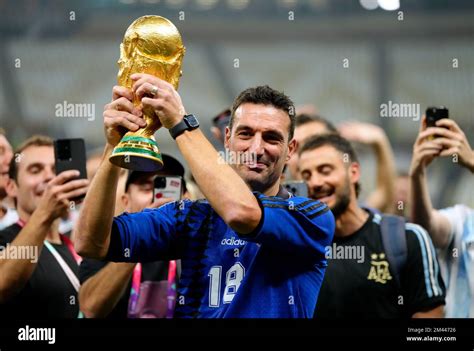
447, 140
95, 221
227, 193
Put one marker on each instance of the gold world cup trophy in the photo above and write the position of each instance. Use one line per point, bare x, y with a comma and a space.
153, 45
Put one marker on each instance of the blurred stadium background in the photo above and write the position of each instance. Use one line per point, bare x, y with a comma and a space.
53, 51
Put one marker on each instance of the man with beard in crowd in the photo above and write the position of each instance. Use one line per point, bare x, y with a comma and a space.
360, 282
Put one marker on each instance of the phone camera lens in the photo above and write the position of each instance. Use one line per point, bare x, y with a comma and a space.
160, 182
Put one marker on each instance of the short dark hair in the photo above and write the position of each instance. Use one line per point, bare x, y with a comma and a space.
305, 118
35, 140
265, 95
336, 141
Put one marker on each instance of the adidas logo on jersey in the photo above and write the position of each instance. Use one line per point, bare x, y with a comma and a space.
232, 241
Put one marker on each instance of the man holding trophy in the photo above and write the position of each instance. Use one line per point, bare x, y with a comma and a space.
251, 249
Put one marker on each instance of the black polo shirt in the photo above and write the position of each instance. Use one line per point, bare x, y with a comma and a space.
356, 288
48, 294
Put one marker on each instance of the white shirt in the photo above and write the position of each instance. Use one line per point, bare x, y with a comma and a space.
10, 217
457, 262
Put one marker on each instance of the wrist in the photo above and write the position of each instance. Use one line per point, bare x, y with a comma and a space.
109, 148
187, 123
417, 171
42, 217
185, 135
175, 122
108, 151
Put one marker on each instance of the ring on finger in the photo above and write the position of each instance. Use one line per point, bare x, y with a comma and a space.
154, 90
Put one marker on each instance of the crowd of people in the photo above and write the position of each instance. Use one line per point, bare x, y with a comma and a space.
237, 244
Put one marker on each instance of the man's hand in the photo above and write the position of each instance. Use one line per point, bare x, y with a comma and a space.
58, 193
364, 133
164, 101
454, 142
424, 151
422, 212
121, 115
447, 140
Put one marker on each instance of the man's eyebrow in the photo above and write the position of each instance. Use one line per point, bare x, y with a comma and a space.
274, 133
320, 166
35, 164
243, 126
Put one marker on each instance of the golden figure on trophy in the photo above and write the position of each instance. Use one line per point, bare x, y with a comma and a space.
152, 45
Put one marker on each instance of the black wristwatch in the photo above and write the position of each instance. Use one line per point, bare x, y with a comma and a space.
189, 122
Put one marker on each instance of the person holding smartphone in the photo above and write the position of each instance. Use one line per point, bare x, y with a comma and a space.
40, 281
451, 229
249, 250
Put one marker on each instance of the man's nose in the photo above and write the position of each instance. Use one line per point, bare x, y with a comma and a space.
49, 174
257, 145
315, 181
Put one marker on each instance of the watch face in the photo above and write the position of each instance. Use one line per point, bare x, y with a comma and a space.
192, 121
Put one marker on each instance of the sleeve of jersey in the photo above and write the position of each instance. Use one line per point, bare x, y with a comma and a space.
146, 236
422, 285
296, 225
456, 218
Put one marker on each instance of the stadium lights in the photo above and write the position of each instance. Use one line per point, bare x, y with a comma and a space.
387, 5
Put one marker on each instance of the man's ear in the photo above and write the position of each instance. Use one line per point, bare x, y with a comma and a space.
227, 137
11, 188
292, 148
125, 198
354, 172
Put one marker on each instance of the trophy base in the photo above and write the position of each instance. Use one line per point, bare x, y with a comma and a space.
137, 153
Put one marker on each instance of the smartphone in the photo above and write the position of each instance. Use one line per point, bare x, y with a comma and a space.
168, 186
297, 188
70, 154
434, 114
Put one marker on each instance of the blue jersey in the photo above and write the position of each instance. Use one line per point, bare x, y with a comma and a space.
274, 272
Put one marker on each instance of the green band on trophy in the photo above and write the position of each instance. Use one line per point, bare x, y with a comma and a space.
138, 138
135, 151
